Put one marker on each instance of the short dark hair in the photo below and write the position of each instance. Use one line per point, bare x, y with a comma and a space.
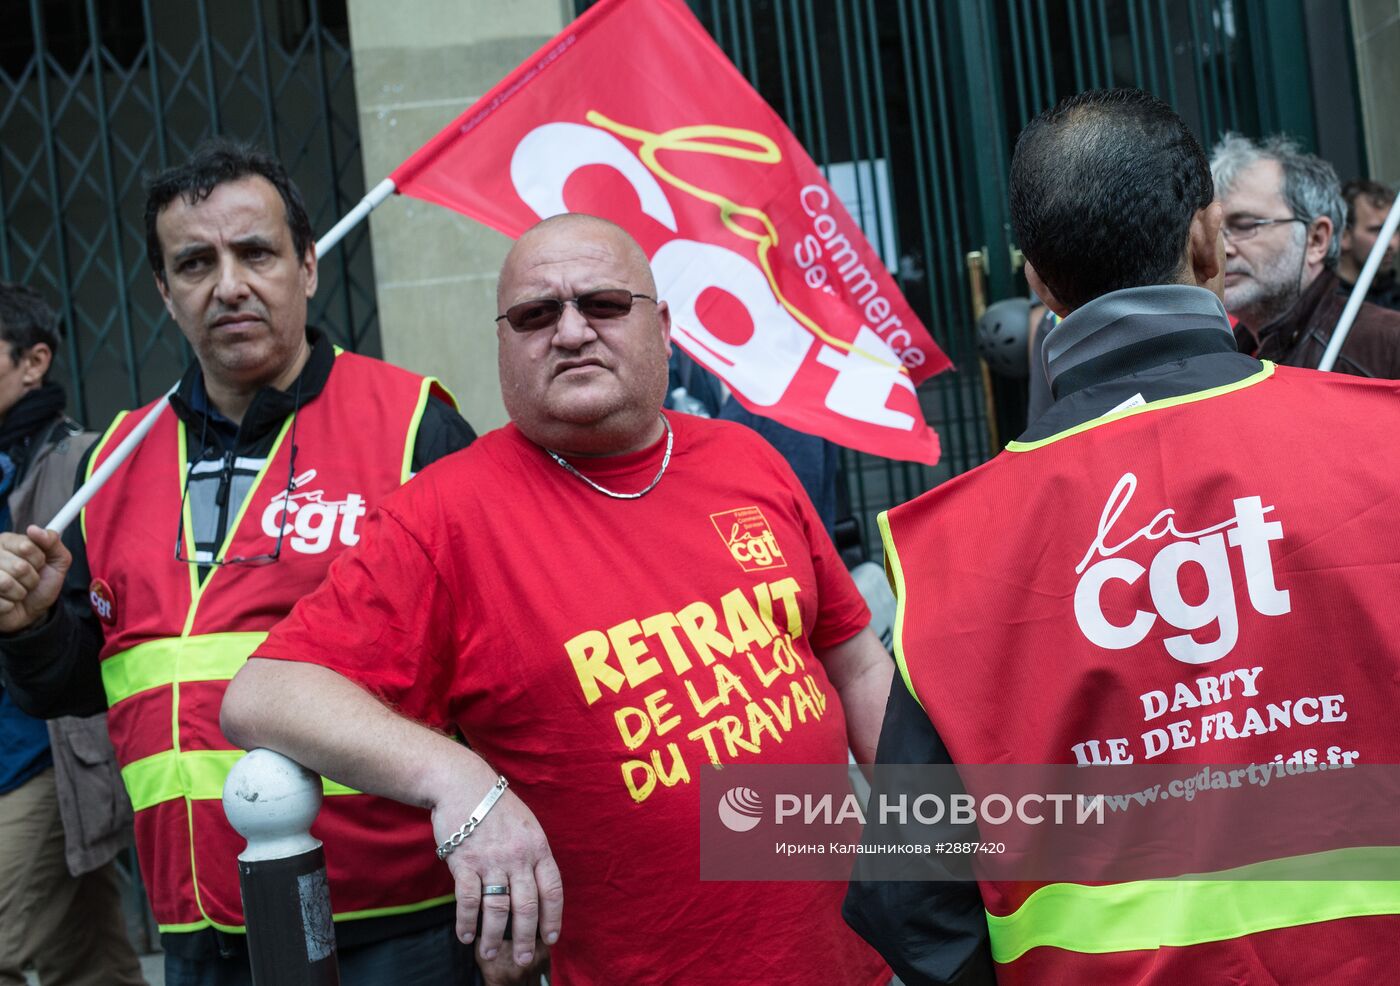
215, 162
27, 320
1380, 196
1103, 190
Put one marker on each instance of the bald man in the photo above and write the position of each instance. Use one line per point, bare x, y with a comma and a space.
570, 595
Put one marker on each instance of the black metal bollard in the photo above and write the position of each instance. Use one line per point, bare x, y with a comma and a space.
272, 801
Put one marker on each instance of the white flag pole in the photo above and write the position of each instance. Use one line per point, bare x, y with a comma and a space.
1363, 284
336, 233
79, 500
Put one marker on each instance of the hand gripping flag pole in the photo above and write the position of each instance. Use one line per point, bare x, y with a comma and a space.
88, 490
1358, 293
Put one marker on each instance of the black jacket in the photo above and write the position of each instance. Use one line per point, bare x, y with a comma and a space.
1300, 335
1384, 291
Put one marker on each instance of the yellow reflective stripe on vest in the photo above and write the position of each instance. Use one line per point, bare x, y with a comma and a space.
158, 663
1111, 416
1150, 914
894, 571
425, 390
338, 916
195, 774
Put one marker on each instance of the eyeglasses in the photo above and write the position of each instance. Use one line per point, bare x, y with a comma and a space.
1241, 228
541, 313
246, 560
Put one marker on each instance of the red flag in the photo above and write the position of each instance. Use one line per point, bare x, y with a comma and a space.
633, 113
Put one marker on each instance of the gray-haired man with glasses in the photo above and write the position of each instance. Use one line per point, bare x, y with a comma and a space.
1283, 214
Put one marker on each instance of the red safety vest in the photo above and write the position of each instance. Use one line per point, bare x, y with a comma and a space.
171, 645
1054, 598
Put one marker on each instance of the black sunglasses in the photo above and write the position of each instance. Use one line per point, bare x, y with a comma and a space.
541, 313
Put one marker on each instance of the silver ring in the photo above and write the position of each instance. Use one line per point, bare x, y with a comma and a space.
495, 890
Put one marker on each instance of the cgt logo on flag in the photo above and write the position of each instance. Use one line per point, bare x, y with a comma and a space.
740, 809
771, 284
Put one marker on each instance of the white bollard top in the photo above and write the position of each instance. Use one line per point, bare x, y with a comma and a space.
272, 800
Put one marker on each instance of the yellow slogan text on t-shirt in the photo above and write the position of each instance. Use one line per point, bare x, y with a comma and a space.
730, 704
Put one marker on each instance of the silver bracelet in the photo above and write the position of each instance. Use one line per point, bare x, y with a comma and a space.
460, 836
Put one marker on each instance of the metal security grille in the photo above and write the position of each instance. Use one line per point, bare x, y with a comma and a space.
912, 108
93, 95
1225, 65
1217, 62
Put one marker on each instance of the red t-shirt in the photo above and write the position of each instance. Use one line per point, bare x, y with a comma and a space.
580, 642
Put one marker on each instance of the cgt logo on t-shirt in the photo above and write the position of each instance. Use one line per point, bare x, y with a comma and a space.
749, 538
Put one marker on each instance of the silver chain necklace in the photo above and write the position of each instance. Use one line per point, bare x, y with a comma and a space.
665, 461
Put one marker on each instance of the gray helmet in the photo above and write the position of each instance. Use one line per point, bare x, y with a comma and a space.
1001, 337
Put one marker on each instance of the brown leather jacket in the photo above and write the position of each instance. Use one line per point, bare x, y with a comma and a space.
1300, 336
92, 800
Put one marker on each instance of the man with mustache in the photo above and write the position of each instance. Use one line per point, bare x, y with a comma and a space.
1283, 214
593, 562
232, 508
1368, 204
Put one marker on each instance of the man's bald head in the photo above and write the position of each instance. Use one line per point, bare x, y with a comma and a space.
579, 227
585, 384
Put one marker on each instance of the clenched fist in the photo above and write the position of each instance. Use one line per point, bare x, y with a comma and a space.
32, 568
